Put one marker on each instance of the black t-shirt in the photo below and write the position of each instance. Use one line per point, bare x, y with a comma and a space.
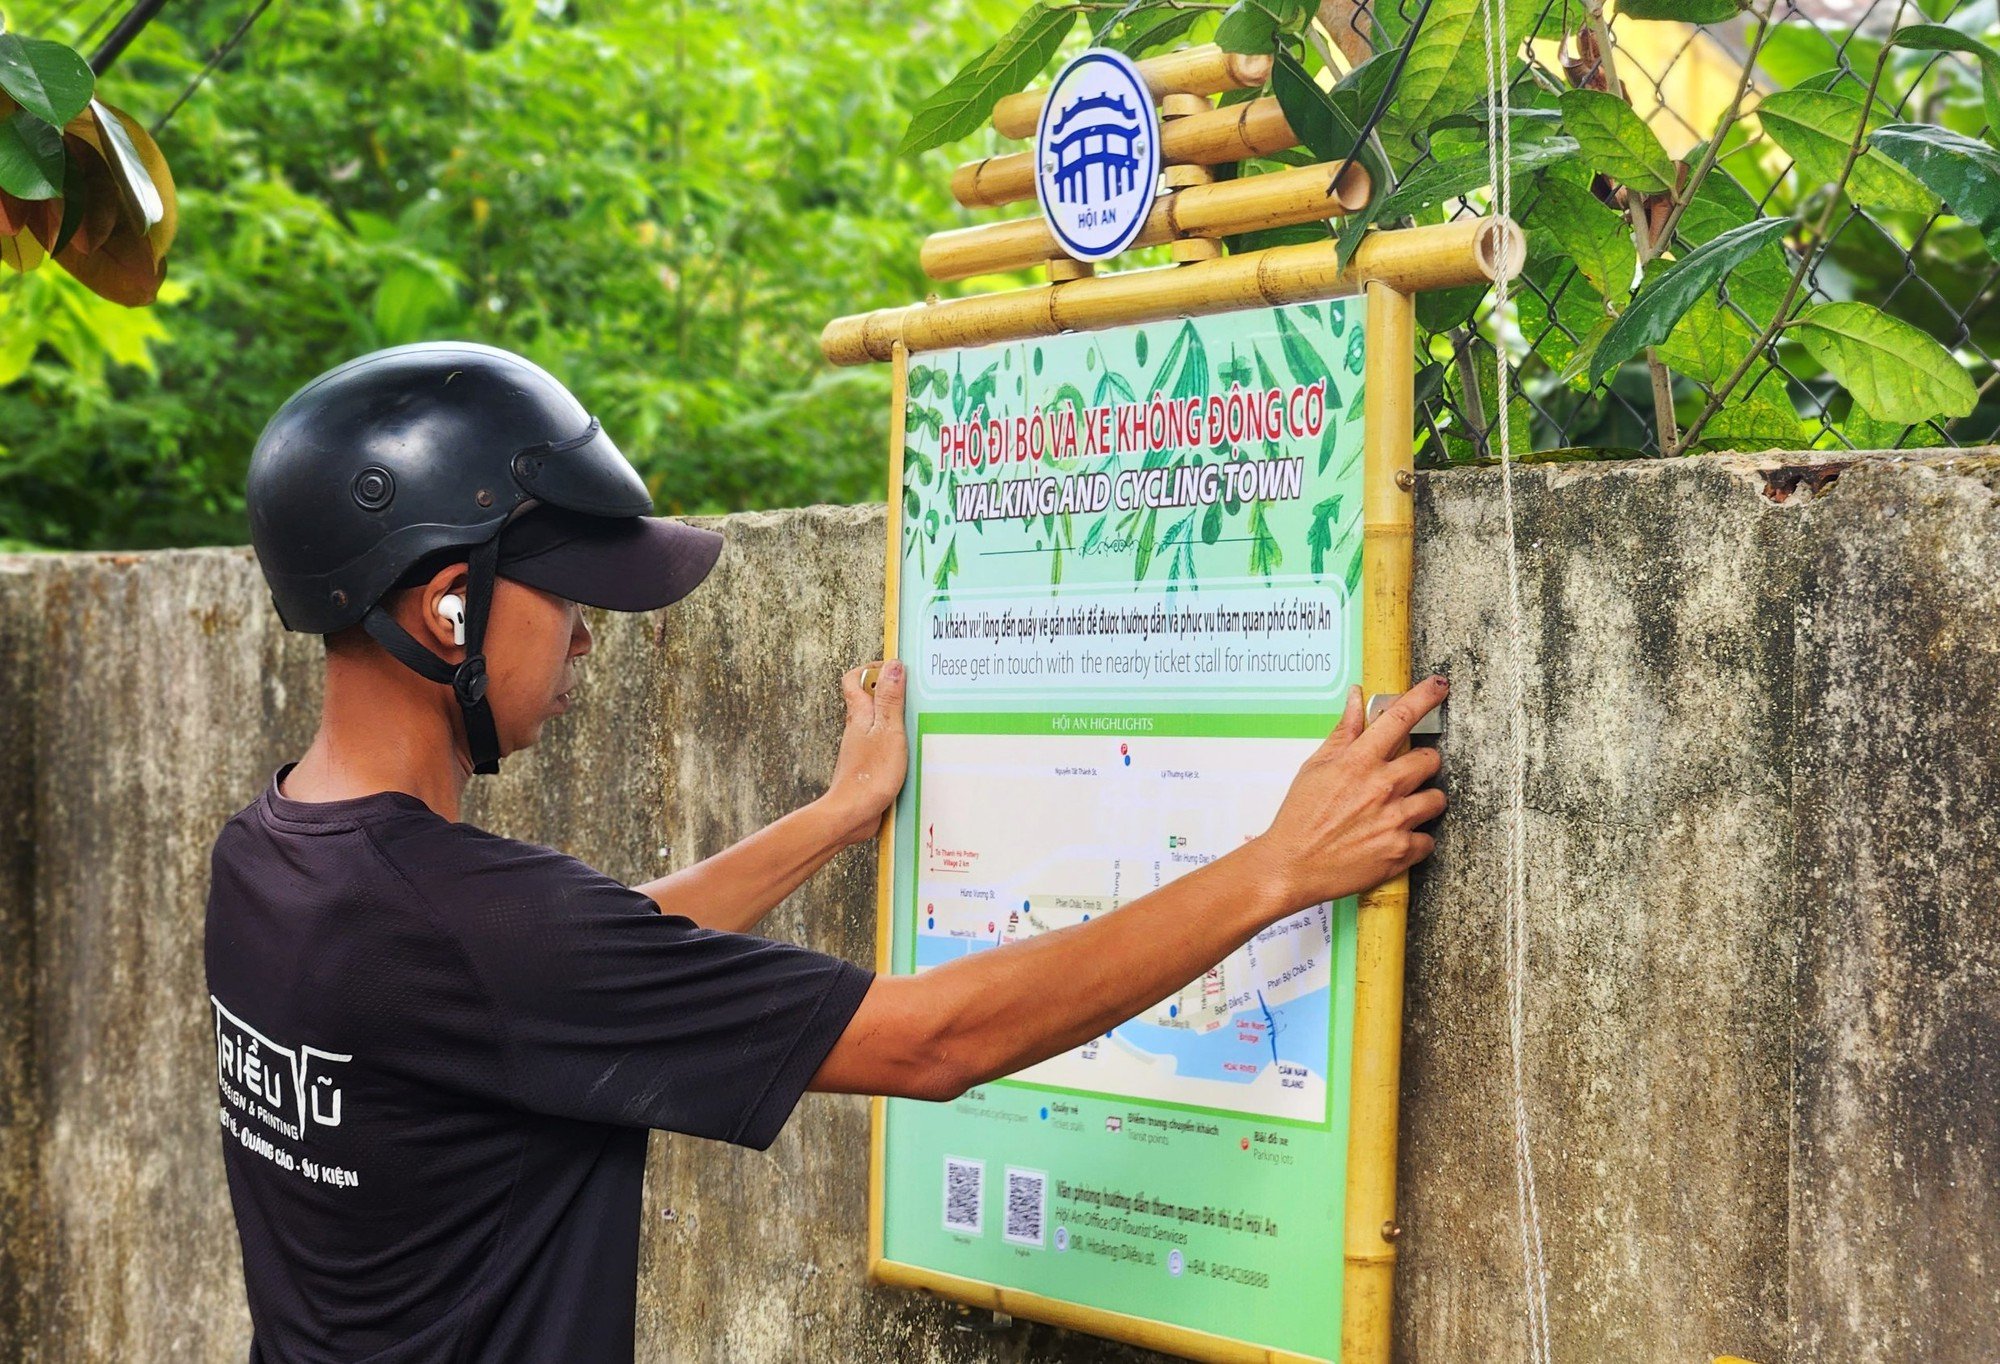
439, 1052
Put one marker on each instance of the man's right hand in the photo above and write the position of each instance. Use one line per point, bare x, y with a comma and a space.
1349, 821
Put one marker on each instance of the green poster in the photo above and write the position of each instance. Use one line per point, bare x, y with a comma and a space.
1130, 564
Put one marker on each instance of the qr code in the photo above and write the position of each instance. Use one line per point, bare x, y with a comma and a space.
964, 1184
1027, 1196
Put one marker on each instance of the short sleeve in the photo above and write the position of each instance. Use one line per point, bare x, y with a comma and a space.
610, 1011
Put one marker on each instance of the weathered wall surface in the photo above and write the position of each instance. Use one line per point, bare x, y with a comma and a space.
1762, 1019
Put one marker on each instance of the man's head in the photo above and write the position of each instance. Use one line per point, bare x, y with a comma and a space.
448, 506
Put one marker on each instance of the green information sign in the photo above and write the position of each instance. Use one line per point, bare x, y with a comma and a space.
1126, 595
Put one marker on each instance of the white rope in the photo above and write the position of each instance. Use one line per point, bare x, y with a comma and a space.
1500, 166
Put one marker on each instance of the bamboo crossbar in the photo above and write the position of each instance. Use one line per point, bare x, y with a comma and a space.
1280, 199
1443, 256
1257, 128
1204, 70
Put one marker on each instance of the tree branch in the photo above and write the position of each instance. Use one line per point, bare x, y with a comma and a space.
1685, 194
1665, 430
122, 33
1808, 259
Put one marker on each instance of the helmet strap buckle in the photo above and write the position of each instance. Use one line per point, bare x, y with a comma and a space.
468, 680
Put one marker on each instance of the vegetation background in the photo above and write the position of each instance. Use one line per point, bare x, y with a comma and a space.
662, 203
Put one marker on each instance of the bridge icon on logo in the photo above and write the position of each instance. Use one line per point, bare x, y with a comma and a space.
1103, 144
1097, 155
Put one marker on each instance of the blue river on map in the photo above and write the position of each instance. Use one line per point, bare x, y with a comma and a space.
1301, 1024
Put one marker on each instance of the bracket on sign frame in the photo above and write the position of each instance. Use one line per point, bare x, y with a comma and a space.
979, 1322
1432, 723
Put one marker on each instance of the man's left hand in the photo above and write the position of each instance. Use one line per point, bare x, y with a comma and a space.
873, 751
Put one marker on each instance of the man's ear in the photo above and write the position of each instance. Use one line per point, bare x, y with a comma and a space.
432, 627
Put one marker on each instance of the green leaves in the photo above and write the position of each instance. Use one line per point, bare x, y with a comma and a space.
1816, 128
1662, 303
1140, 26
1680, 11
1319, 536
1759, 284
1590, 234
1329, 135
1962, 171
411, 299
1320, 124
1305, 363
47, 79
136, 189
1895, 372
1761, 419
1938, 38
1254, 25
1446, 70
1616, 141
967, 99
1452, 176
1708, 342
31, 157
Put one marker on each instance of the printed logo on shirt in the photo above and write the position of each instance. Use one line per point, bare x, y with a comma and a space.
287, 1089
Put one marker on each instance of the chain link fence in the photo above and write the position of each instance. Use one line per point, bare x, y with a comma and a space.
1930, 270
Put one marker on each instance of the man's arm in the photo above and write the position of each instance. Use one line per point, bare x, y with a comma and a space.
1348, 823
736, 887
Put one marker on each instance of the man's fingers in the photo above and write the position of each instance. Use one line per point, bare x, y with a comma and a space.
890, 684
1421, 846
1388, 733
1352, 718
1423, 807
858, 704
1413, 769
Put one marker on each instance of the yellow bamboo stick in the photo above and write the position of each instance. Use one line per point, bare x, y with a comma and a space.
1257, 128
1412, 259
1388, 391
1303, 194
1203, 70
885, 837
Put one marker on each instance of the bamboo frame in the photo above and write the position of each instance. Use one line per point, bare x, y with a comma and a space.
1204, 70
1387, 566
1257, 128
1409, 260
885, 836
1303, 194
1389, 268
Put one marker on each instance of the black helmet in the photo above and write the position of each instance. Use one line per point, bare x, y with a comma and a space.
380, 463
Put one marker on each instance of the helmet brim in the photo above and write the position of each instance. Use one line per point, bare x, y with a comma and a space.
626, 563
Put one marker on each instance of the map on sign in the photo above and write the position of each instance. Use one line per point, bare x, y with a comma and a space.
1093, 824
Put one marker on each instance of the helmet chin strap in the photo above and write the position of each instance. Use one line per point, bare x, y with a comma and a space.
467, 680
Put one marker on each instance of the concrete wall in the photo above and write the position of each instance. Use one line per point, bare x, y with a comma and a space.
1763, 1018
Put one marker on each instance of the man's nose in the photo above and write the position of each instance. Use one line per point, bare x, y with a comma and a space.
579, 639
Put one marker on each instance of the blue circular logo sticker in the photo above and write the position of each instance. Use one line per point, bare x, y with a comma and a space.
1097, 155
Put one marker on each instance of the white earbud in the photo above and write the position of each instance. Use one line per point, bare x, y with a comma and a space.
453, 610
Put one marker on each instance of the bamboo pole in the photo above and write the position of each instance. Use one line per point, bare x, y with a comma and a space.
1388, 389
1203, 70
1443, 256
885, 836
1257, 128
1301, 195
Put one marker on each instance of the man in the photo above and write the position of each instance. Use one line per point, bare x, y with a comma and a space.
439, 1050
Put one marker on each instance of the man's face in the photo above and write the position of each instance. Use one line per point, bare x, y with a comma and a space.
531, 639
